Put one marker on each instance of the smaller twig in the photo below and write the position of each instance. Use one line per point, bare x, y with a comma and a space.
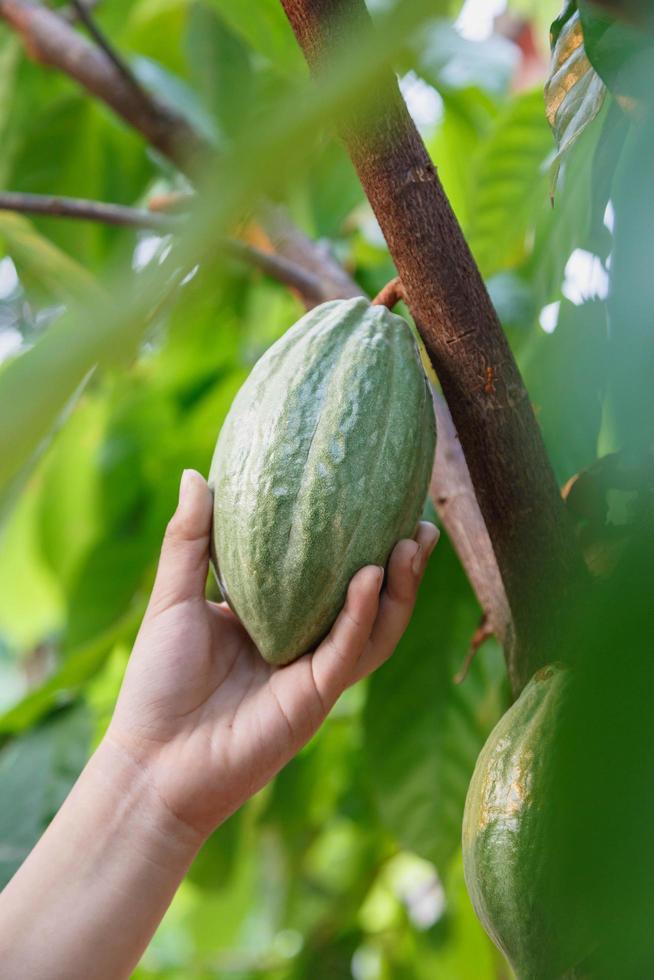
483, 632
391, 294
70, 13
82, 210
83, 11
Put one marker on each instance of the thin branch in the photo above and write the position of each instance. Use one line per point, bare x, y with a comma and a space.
70, 14
536, 551
454, 498
81, 209
85, 17
483, 632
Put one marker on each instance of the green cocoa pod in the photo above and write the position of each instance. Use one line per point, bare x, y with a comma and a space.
512, 877
321, 466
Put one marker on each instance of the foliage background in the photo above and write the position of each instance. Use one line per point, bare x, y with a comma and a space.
349, 864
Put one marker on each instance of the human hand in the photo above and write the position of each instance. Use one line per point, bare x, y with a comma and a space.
201, 712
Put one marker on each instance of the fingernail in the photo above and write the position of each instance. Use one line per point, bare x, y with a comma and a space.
418, 559
185, 485
380, 576
434, 541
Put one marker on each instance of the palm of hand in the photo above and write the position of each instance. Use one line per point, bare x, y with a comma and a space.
200, 709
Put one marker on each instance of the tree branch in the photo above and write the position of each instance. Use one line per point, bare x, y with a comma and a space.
53, 42
85, 17
536, 552
80, 209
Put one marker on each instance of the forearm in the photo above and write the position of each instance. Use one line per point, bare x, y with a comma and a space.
89, 897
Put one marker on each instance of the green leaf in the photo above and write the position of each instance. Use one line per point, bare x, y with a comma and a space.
264, 26
574, 93
31, 599
566, 373
566, 224
40, 263
631, 297
105, 586
64, 686
152, 28
220, 67
620, 51
36, 774
467, 120
174, 92
69, 498
450, 62
213, 867
509, 188
422, 731
10, 54
558, 24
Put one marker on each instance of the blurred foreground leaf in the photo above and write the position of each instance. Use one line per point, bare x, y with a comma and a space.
36, 773
422, 731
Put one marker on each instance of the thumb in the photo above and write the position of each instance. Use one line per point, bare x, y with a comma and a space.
184, 560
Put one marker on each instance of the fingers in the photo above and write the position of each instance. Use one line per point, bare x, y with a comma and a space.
184, 559
319, 678
405, 570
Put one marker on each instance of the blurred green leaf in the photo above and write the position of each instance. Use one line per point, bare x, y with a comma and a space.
631, 294
63, 687
43, 264
176, 93
10, 54
36, 774
468, 117
31, 596
509, 180
69, 490
620, 51
264, 26
566, 373
422, 731
450, 61
212, 868
220, 66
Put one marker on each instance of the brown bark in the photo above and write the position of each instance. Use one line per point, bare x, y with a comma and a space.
454, 498
514, 483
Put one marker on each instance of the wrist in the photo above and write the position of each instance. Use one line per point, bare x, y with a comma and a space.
129, 787
109, 864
